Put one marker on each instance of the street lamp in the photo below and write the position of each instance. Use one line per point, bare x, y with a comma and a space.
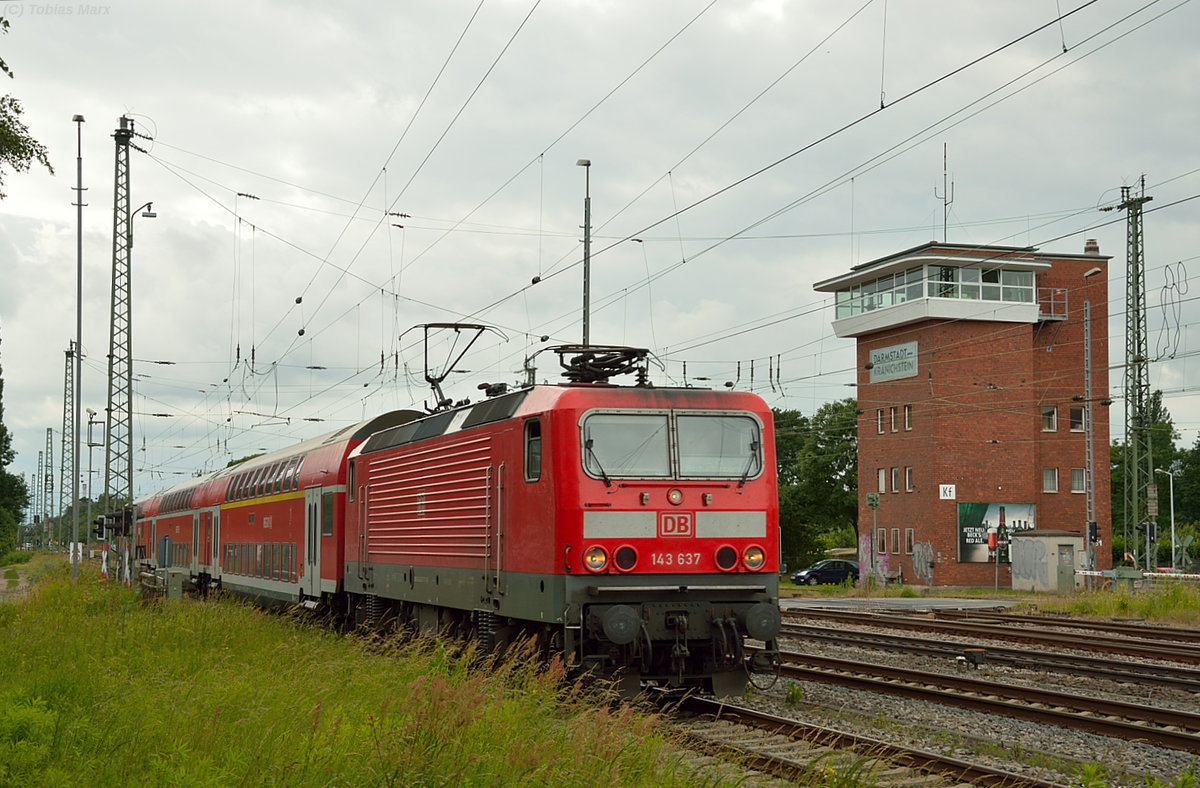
587, 246
77, 360
1171, 480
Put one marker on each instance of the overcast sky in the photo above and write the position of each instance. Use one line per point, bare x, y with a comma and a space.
741, 151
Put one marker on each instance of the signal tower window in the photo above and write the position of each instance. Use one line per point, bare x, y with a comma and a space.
533, 450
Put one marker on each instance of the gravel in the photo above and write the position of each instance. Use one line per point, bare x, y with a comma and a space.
1017, 745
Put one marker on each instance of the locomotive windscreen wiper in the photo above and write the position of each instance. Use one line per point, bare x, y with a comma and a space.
749, 464
587, 445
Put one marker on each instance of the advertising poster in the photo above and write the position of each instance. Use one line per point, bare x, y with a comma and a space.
976, 519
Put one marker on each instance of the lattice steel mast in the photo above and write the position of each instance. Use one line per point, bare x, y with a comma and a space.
1139, 462
48, 485
118, 451
67, 470
39, 497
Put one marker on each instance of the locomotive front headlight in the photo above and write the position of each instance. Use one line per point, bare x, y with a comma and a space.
675, 496
725, 558
754, 557
595, 559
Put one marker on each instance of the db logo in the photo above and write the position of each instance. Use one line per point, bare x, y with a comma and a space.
676, 524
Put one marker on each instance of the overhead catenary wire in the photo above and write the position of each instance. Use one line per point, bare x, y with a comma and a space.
645, 248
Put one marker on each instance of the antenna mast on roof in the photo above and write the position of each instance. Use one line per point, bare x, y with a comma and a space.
947, 195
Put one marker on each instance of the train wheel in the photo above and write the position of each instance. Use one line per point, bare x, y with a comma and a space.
729, 683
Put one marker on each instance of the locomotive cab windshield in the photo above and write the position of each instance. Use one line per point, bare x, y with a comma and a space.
671, 445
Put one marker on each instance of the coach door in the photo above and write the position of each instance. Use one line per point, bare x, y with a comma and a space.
194, 557
215, 543
310, 584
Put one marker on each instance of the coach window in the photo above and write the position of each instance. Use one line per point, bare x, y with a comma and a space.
352, 474
533, 450
256, 482
327, 514
277, 478
295, 475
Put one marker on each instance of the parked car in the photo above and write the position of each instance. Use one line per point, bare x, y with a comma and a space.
831, 570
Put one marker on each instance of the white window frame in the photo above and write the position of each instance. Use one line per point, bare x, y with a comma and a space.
1081, 421
909, 486
907, 418
1049, 480
1049, 418
1079, 475
883, 480
893, 414
895, 479
879, 421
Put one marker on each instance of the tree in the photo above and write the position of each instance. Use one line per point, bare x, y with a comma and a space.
18, 148
1164, 455
14, 495
818, 471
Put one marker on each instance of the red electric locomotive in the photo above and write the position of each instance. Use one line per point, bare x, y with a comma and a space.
632, 529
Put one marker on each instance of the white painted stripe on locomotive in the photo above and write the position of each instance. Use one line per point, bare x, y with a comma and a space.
643, 525
731, 525
618, 525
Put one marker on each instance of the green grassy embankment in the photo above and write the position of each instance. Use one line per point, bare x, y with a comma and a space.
100, 690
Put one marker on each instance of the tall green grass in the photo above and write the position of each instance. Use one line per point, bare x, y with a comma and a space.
99, 690
1171, 602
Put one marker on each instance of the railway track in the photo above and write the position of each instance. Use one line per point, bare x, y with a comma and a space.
796, 751
1171, 651
1174, 676
1160, 727
1128, 628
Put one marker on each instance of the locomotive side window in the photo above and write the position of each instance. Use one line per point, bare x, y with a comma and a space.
533, 450
718, 446
626, 444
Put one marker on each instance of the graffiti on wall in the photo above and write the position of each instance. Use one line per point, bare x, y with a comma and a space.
1030, 565
870, 562
923, 561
